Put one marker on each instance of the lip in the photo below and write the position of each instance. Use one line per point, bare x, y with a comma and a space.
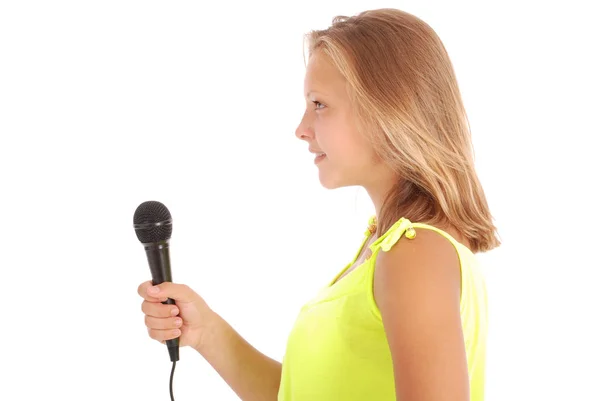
320, 155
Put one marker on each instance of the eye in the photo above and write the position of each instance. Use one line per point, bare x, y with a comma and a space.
318, 105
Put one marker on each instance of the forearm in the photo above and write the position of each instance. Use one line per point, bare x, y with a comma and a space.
252, 375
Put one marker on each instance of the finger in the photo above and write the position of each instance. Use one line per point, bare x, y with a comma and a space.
155, 309
178, 292
164, 335
143, 291
158, 323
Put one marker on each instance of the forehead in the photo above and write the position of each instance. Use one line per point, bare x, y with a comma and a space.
322, 75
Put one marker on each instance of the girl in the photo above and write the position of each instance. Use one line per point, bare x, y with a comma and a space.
406, 319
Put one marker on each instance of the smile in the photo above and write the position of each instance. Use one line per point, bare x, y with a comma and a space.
320, 157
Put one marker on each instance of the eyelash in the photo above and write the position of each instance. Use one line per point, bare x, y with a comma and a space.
317, 103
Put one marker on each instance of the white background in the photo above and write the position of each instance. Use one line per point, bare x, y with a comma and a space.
106, 104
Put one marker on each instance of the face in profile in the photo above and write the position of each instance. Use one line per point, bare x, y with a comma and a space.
343, 156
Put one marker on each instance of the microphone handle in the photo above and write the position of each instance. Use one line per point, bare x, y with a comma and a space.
160, 268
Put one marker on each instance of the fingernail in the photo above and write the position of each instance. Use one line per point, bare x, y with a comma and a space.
177, 332
174, 312
153, 290
178, 322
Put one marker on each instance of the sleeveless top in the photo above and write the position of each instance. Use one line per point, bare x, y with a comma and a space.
337, 349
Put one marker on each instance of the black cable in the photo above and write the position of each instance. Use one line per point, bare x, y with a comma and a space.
171, 381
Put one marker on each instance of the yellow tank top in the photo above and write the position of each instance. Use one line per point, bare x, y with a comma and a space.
337, 349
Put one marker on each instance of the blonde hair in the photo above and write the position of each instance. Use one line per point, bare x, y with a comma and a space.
407, 102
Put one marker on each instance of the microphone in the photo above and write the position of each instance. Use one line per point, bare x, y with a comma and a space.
153, 226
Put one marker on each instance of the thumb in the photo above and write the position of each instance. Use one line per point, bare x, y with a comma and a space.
178, 292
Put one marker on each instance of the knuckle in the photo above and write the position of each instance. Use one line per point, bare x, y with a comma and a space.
185, 289
158, 311
166, 311
162, 335
146, 307
162, 323
155, 310
152, 333
142, 289
157, 335
171, 334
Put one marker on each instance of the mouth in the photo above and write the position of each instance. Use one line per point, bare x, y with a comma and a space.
319, 157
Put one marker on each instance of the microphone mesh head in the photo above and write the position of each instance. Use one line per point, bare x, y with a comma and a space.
152, 222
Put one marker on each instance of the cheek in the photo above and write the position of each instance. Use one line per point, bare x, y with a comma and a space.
332, 134
328, 137
354, 147
342, 142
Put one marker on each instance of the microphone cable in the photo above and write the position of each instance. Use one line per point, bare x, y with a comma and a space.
171, 381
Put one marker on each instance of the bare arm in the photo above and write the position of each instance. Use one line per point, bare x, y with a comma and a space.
417, 289
252, 375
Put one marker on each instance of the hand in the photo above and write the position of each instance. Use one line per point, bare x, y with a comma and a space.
189, 319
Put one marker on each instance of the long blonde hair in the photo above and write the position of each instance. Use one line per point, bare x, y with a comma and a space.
407, 102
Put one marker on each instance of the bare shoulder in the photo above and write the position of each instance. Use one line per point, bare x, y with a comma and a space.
417, 290
428, 256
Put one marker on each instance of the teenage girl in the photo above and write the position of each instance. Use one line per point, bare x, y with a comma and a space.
406, 319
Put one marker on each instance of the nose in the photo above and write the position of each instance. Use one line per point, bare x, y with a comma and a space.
305, 131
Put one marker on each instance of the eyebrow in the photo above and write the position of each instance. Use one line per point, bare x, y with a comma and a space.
309, 93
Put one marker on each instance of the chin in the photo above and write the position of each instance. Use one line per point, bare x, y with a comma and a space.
332, 182
328, 185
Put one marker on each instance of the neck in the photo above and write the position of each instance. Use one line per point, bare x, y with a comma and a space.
378, 191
